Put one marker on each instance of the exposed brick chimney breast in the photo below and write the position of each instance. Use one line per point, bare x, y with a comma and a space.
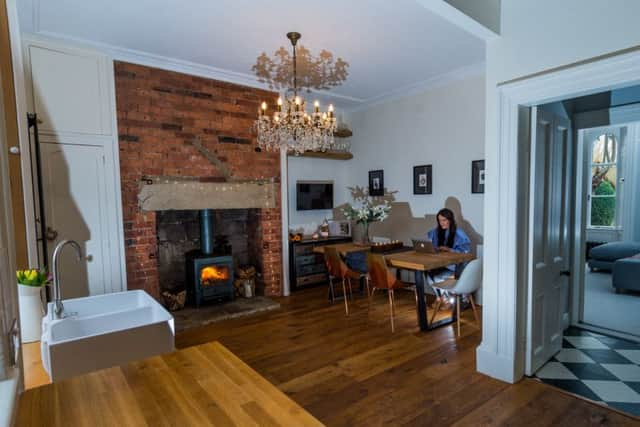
160, 115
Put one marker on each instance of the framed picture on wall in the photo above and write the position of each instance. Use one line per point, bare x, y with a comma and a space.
376, 183
422, 183
477, 176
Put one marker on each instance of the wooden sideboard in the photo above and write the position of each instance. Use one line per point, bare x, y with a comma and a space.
306, 267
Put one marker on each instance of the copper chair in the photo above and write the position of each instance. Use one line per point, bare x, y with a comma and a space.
338, 270
382, 278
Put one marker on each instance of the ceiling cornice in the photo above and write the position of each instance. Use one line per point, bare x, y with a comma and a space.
200, 70
178, 65
473, 70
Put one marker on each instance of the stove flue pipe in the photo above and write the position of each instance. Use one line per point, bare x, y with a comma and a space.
206, 231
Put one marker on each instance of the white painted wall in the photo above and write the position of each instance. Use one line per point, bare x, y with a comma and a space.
314, 169
543, 34
486, 12
535, 36
443, 126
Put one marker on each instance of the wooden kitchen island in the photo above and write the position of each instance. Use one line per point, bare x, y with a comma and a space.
197, 386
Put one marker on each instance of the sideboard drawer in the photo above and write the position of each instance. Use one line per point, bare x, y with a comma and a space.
305, 270
311, 279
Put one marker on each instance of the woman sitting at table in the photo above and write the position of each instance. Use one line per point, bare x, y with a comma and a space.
447, 237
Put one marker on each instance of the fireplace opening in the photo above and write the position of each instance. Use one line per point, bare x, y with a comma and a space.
198, 251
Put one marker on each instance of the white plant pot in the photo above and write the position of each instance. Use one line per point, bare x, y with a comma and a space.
31, 312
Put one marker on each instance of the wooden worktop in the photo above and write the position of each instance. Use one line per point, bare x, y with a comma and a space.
198, 386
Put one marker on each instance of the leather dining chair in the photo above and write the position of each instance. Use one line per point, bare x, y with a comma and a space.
382, 278
470, 281
338, 270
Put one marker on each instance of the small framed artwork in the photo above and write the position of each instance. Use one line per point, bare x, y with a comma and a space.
477, 176
376, 183
422, 179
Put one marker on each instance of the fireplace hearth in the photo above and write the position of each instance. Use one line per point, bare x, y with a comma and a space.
209, 269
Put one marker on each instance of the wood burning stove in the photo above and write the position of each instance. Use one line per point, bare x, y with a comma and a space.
209, 269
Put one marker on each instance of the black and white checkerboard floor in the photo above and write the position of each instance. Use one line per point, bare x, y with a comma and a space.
603, 369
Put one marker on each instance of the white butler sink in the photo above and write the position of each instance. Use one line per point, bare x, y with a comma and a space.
102, 331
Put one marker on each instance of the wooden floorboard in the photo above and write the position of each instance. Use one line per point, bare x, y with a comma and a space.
352, 371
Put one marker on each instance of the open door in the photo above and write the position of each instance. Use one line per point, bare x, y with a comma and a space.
10, 356
548, 297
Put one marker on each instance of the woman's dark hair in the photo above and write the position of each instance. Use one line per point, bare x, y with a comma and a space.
448, 214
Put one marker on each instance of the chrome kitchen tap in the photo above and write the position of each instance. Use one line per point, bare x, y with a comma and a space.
58, 307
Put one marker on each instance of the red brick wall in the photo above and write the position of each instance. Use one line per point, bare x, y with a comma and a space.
159, 114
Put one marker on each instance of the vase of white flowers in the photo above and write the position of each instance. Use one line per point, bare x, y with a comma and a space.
366, 211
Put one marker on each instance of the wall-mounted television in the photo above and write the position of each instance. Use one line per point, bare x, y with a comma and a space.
312, 195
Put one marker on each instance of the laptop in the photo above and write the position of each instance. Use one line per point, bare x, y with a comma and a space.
423, 246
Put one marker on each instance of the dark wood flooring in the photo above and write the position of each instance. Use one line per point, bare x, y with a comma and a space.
352, 371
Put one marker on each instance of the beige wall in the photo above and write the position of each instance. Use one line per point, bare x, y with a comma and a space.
442, 126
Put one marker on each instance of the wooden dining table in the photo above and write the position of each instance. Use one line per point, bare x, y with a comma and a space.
418, 262
421, 263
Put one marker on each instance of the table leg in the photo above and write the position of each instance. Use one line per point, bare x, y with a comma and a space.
421, 306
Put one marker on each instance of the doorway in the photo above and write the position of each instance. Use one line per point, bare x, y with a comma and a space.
503, 351
590, 358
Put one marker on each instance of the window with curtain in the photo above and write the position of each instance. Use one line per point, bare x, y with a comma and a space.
604, 198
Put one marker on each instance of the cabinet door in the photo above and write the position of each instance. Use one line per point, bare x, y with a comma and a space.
68, 89
76, 207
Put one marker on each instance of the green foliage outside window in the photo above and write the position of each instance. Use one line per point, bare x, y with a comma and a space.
603, 209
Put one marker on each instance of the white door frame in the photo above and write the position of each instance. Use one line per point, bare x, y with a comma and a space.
23, 130
502, 351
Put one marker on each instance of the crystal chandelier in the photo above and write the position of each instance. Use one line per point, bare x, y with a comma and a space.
290, 127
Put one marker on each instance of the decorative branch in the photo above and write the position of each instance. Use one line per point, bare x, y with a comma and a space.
213, 159
322, 72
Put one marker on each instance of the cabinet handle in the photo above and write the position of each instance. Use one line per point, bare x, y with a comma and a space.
51, 234
14, 149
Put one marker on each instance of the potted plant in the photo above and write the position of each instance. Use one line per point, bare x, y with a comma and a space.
366, 211
30, 285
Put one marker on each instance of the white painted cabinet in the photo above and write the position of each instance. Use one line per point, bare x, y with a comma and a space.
69, 90
77, 208
72, 92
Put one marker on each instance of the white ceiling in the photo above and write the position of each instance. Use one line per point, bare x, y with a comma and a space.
391, 46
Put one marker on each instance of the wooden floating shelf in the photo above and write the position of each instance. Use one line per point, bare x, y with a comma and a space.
332, 155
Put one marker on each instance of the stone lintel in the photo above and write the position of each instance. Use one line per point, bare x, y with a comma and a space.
184, 195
